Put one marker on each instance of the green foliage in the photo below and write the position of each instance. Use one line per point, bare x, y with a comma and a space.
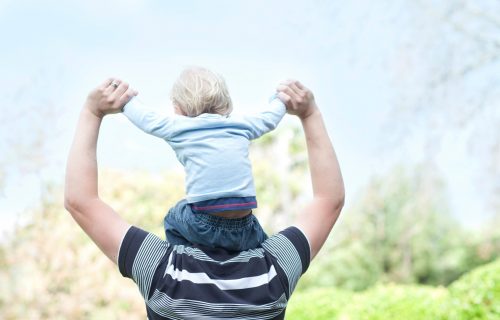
281, 177
476, 295
397, 302
399, 231
382, 302
322, 303
51, 270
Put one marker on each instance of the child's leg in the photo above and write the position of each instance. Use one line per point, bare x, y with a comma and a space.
177, 223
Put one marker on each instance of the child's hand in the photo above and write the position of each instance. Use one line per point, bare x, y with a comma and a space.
298, 99
109, 97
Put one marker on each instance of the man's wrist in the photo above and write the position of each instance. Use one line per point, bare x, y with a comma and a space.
312, 111
87, 108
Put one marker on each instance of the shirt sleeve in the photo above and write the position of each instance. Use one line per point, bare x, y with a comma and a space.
301, 244
291, 250
267, 120
140, 256
148, 120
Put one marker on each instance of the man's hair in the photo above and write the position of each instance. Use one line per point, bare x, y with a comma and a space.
198, 90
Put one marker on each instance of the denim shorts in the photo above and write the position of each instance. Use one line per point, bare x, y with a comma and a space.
183, 226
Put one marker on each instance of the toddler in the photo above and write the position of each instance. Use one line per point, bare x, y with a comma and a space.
212, 145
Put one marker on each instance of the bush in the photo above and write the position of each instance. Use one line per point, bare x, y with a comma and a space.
322, 303
476, 295
397, 302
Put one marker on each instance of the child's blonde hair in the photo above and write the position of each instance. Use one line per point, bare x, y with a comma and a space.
198, 90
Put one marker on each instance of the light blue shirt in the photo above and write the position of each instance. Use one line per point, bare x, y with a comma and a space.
212, 148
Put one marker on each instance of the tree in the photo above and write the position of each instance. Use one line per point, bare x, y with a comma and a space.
399, 230
448, 74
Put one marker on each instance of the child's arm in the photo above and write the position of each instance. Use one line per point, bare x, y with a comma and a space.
147, 120
267, 120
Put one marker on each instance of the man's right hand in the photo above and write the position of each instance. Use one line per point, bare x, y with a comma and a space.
298, 99
110, 97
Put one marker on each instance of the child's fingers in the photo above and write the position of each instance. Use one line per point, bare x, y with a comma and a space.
286, 99
126, 96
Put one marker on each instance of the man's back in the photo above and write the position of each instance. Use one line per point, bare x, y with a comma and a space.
181, 282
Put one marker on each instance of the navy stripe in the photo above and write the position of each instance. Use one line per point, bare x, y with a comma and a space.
165, 306
210, 293
235, 270
130, 245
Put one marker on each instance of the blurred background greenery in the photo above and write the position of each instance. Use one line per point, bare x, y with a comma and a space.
396, 254
410, 93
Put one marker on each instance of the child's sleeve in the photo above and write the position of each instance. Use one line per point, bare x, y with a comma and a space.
267, 120
148, 120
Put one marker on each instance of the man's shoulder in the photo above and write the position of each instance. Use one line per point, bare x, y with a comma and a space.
292, 254
290, 241
142, 246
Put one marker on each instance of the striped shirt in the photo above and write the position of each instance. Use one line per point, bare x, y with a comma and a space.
195, 282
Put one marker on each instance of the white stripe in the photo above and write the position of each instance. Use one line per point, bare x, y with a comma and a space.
222, 284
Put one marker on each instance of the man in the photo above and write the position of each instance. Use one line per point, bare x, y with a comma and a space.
194, 282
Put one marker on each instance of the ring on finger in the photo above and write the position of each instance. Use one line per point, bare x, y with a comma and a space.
115, 84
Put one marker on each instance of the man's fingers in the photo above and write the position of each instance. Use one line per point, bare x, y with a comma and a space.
295, 85
286, 81
105, 84
111, 87
119, 91
291, 82
299, 85
289, 91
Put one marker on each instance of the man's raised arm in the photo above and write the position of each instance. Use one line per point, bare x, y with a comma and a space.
101, 223
319, 216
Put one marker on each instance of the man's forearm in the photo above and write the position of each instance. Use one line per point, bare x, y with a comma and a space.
321, 213
101, 223
326, 177
81, 169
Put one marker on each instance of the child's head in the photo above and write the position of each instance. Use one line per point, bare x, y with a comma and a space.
198, 90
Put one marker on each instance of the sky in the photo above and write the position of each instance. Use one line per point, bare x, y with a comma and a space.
348, 53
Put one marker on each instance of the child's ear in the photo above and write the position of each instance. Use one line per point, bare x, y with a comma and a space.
178, 110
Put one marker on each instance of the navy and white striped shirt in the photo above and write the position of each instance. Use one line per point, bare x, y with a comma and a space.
195, 282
